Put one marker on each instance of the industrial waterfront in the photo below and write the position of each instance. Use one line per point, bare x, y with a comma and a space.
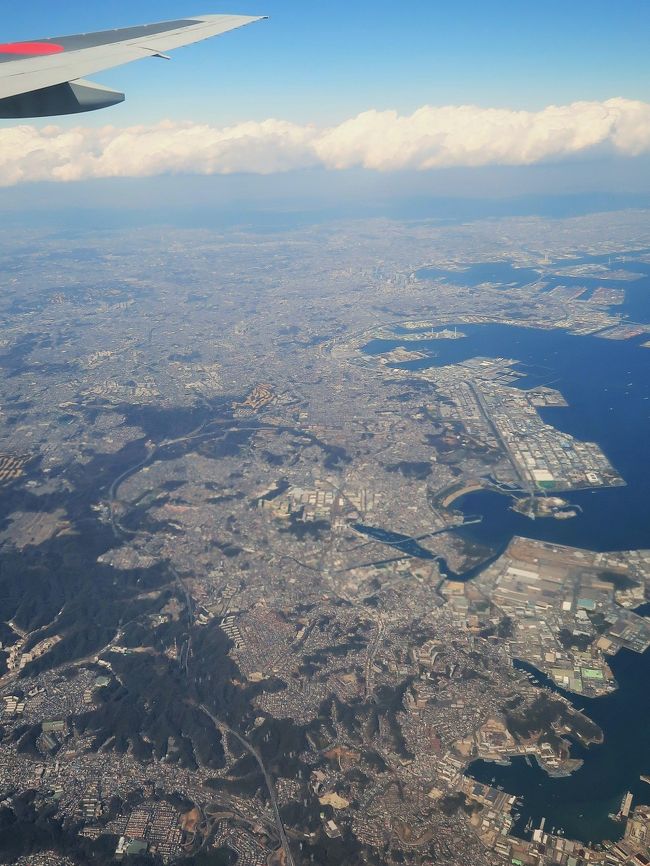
607, 387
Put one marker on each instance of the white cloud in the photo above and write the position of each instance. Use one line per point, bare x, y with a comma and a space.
381, 140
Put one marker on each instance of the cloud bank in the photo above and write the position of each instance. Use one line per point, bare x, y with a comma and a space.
379, 140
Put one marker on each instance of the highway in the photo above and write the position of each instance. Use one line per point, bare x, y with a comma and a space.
224, 728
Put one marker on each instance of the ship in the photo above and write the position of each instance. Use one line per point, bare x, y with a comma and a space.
624, 811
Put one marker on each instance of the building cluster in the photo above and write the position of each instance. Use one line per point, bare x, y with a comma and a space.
493, 415
154, 829
566, 608
233, 430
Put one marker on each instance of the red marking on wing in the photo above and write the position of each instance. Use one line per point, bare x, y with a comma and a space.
31, 49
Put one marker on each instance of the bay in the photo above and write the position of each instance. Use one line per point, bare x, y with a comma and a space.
607, 386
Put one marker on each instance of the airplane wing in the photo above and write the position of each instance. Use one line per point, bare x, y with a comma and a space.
45, 77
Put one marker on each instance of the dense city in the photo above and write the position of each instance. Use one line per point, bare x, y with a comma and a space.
251, 611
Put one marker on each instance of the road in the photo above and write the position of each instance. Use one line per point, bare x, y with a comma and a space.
370, 658
526, 484
224, 728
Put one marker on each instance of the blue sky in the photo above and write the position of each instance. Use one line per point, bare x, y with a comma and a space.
315, 67
324, 62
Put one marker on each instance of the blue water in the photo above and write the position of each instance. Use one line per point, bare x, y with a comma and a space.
485, 272
401, 543
580, 804
636, 306
607, 385
637, 294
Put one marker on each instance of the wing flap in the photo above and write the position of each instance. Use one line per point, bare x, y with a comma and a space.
36, 73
